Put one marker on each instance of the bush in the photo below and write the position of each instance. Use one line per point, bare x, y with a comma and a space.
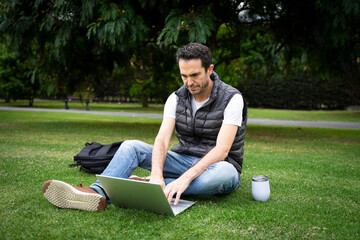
297, 92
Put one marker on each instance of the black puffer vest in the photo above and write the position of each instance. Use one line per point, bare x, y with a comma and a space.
197, 135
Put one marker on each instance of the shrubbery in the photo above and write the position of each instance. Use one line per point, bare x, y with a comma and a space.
297, 92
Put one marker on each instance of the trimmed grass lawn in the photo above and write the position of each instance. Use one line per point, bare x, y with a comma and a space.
95, 106
315, 115
314, 177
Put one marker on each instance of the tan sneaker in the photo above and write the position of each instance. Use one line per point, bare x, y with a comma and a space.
64, 195
143, 179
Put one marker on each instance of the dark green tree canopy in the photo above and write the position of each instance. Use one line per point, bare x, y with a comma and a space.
325, 32
78, 45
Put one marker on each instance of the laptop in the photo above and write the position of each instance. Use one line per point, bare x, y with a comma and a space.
141, 195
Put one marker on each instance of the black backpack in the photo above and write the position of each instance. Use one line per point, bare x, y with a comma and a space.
95, 157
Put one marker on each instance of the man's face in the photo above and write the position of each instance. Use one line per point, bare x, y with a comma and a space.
194, 76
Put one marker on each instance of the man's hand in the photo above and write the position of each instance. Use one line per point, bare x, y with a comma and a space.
176, 187
158, 180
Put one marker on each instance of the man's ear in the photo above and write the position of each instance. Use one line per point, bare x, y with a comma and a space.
210, 69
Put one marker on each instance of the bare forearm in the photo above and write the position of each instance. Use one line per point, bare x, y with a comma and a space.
158, 158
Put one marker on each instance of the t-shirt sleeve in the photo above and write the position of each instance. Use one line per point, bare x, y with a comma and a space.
170, 106
233, 111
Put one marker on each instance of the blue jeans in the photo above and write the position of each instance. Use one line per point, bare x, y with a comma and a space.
219, 178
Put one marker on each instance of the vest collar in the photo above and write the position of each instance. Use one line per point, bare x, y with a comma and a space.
215, 88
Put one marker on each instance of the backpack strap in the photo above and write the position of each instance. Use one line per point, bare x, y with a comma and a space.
86, 151
89, 147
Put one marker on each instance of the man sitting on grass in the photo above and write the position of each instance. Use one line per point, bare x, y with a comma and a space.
209, 117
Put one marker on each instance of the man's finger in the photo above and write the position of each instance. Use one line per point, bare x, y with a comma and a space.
178, 195
167, 192
170, 196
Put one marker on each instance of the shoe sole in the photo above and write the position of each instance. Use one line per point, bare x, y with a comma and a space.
64, 195
137, 178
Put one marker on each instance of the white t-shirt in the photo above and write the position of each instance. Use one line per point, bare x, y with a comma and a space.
232, 112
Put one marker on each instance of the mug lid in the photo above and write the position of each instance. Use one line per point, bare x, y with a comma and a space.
260, 178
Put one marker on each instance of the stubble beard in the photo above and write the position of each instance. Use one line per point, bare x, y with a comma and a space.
201, 89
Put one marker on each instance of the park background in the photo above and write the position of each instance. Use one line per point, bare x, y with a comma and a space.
294, 55
279, 54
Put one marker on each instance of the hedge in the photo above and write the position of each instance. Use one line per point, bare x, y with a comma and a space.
299, 92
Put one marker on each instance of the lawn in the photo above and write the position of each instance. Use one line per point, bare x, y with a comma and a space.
314, 178
94, 106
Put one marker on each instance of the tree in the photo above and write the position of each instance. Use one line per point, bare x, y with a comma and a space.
13, 80
325, 33
18, 78
81, 44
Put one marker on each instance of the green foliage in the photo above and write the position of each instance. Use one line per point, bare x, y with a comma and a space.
183, 27
296, 92
14, 79
118, 26
77, 45
325, 32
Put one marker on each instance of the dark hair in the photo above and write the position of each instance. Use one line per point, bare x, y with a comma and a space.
195, 51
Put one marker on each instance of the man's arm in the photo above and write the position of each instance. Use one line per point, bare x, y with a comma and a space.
161, 146
224, 142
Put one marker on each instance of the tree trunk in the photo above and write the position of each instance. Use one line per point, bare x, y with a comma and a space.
87, 106
144, 100
31, 101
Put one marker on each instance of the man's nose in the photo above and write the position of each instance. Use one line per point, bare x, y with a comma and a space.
190, 81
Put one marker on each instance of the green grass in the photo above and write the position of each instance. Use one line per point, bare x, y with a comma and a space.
314, 115
118, 107
314, 178
344, 116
